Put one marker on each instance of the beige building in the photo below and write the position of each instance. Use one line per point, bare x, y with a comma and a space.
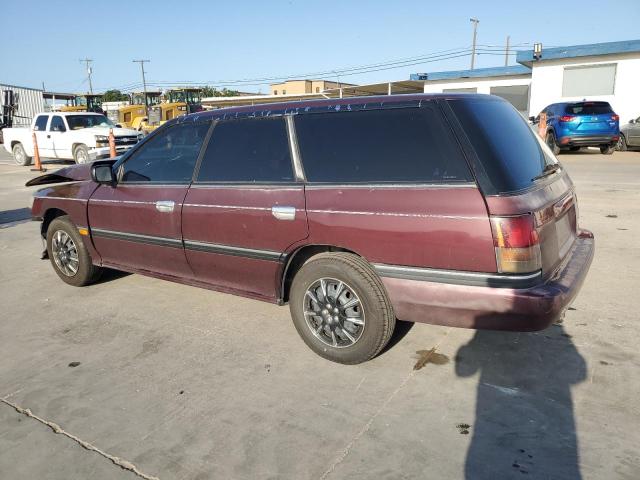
296, 87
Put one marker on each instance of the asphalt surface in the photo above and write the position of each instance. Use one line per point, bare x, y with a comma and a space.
139, 378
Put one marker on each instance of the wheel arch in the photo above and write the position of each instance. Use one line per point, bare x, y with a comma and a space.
49, 216
299, 257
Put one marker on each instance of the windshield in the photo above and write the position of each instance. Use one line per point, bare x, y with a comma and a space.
152, 99
76, 122
190, 97
588, 108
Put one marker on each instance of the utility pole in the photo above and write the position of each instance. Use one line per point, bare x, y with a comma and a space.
506, 53
144, 85
87, 62
475, 22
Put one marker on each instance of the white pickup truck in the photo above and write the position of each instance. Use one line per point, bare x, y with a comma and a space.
78, 136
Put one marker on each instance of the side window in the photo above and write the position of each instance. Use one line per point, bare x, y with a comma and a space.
57, 124
248, 150
392, 145
169, 157
41, 123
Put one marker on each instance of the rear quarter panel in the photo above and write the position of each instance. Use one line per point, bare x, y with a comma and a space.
424, 226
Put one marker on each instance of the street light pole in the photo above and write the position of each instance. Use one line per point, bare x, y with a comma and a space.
144, 85
475, 22
87, 62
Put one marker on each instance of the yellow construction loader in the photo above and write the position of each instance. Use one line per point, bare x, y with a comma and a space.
178, 102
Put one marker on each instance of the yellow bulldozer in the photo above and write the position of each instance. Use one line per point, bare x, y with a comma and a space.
84, 103
178, 102
134, 115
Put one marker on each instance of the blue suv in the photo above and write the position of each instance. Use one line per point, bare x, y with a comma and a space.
571, 125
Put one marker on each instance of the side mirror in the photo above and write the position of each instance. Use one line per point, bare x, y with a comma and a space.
102, 173
532, 119
633, 120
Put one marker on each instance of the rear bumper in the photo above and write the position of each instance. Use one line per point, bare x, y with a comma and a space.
519, 309
587, 140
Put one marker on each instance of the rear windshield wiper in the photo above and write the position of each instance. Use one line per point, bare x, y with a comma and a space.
547, 170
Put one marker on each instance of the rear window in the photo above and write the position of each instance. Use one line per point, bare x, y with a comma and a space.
393, 145
509, 153
588, 108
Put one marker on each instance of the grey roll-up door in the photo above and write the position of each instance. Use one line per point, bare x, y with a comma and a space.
589, 80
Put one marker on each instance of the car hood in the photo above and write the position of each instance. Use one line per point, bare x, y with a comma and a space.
72, 173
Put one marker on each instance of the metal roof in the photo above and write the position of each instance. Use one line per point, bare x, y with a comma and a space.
478, 72
573, 51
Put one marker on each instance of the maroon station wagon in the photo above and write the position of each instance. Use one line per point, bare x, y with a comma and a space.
442, 209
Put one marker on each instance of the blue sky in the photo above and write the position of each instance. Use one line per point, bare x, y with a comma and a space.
207, 41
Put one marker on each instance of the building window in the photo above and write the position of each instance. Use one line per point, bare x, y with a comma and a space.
275, 92
317, 89
589, 80
460, 90
284, 92
516, 95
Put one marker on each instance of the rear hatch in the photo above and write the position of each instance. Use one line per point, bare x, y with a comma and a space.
530, 198
590, 118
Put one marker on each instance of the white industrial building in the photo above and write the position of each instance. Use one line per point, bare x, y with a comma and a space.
601, 71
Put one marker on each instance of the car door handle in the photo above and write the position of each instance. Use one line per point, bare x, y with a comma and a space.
165, 206
283, 213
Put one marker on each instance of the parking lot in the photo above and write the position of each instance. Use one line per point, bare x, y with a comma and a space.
136, 377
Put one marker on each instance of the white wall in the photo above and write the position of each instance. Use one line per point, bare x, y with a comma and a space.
546, 84
483, 85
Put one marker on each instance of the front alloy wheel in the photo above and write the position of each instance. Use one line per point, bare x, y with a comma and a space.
334, 313
65, 253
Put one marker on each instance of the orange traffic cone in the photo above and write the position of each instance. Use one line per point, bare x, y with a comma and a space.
36, 155
112, 144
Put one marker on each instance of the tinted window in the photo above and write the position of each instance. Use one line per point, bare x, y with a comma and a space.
249, 150
168, 157
41, 123
509, 152
57, 124
393, 145
588, 108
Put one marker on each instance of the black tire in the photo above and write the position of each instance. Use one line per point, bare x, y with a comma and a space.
622, 144
607, 149
81, 154
20, 155
550, 140
376, 310
86, 271
574, 149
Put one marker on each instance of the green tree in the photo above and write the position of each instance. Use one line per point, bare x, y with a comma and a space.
208, 91
114, 96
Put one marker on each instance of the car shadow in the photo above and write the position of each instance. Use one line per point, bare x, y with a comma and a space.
109, 275
8, 218
524, 420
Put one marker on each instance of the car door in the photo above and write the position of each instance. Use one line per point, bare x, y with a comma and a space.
246, 208
43, 137
136, 224
634, 133
60, 142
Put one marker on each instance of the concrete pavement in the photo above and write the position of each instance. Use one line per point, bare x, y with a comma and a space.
185, 383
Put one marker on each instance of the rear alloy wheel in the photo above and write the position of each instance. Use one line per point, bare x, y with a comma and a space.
550, 140
20, 156
81, 154
622, 144
69, 257
340, 308
607, 149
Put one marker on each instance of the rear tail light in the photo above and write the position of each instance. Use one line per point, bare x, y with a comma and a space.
615, 118
567, 118
517, 244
